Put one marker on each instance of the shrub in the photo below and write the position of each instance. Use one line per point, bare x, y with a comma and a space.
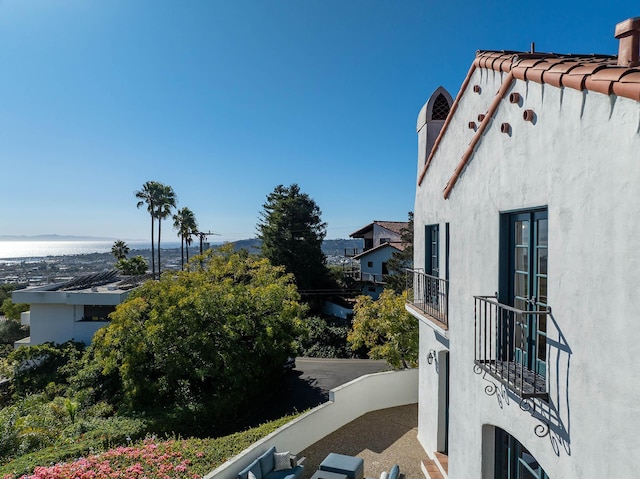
152, 458
327, 338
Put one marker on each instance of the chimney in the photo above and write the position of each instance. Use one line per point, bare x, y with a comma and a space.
628, 32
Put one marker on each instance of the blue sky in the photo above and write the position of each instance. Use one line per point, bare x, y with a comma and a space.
225, 99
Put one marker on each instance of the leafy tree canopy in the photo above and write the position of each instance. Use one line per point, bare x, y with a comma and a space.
385, 327
401, 260
12, 310
132, 266
207, 342
292, 232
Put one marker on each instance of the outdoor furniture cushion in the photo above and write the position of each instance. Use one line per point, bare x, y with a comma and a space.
263, 468
281, 461
266, 461
254, 467
353, 467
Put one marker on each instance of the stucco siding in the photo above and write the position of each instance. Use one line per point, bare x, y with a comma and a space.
580, 159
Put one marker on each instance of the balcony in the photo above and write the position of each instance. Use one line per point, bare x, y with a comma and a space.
372, 278
429, 295
351, 252
504, 343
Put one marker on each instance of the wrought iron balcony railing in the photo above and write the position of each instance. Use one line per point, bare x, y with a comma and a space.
429, 294
508, 346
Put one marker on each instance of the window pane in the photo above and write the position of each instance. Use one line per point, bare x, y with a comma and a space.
542, 260
521, 284
522, 232
522, 258
542, 290
542, 232
542, 347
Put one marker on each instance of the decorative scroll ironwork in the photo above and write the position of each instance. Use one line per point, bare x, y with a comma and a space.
531, 405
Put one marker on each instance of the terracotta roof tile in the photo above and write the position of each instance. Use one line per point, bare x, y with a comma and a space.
631, 77
599, 73
610, 74
564, 66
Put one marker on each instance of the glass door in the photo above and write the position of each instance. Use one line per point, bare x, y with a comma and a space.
528, 242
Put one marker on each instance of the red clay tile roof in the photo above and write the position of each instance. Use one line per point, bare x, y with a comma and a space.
598, 73
395, 226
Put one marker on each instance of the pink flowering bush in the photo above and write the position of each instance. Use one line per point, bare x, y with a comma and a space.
150, 459
165, 460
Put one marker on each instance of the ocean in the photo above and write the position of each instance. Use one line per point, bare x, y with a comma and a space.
41, 249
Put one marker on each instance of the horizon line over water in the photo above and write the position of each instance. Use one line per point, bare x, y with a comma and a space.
11, 250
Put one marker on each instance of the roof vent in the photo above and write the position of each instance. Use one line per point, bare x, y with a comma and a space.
628, 32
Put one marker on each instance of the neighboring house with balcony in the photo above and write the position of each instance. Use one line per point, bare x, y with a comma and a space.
527, 269
73, 310
381, 240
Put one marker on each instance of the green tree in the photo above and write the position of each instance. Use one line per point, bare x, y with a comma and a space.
10, 331
184, 221
207, 343
12, 310
119, 250
31, 368
132, 266
385, 327
149, 195
165, 204
292, 232
401, 260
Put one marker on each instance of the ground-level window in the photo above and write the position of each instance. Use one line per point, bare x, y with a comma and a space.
513, 460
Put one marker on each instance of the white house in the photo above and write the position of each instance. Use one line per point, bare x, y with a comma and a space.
381, 240
527, 269
73, 310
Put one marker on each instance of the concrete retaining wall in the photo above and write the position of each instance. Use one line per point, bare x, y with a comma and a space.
346, 403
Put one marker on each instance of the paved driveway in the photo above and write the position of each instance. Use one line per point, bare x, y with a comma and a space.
308, 385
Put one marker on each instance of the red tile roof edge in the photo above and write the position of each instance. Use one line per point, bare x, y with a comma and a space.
597, 73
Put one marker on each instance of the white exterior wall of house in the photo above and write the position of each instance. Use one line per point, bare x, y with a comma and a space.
380, 233
580, 158
56, 316
372, 275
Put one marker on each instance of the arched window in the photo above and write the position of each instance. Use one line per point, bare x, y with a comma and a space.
440, 108
513, 460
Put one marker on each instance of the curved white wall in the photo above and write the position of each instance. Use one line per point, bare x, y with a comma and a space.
346, 403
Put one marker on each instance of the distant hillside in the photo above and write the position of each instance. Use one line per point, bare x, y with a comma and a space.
52, 238
331, 247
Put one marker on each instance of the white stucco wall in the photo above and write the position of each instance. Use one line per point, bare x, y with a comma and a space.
580, 159
56, 316
379, 232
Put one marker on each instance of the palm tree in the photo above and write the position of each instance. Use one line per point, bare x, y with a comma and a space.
149, 195
192, 230
166, 201
120, 249
185, 222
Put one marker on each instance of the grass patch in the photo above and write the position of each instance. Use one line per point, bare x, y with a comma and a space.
175, 458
